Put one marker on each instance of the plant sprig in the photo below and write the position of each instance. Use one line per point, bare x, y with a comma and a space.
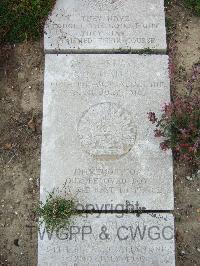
56, 212
179, 125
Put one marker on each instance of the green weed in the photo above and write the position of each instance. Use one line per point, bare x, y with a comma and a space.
193, 5
23, 19
56, 212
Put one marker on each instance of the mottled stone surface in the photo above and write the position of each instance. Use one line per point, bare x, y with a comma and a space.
105, 25
109, 240
97, 140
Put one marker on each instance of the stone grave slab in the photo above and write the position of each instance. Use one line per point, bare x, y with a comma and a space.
110, 239
105, 25
97, 141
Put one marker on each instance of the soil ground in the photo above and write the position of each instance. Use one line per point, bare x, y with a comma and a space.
21, 89
184, 51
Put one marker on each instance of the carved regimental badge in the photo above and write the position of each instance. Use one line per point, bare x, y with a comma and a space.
106, 131
105, 5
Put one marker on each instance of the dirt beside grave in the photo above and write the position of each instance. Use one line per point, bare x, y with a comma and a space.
184, 51
21, 89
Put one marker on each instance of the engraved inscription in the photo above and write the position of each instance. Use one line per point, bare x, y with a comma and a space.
106, 131
106, 25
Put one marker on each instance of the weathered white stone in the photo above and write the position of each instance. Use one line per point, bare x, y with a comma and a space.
106, 25
97, 140
110, 240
